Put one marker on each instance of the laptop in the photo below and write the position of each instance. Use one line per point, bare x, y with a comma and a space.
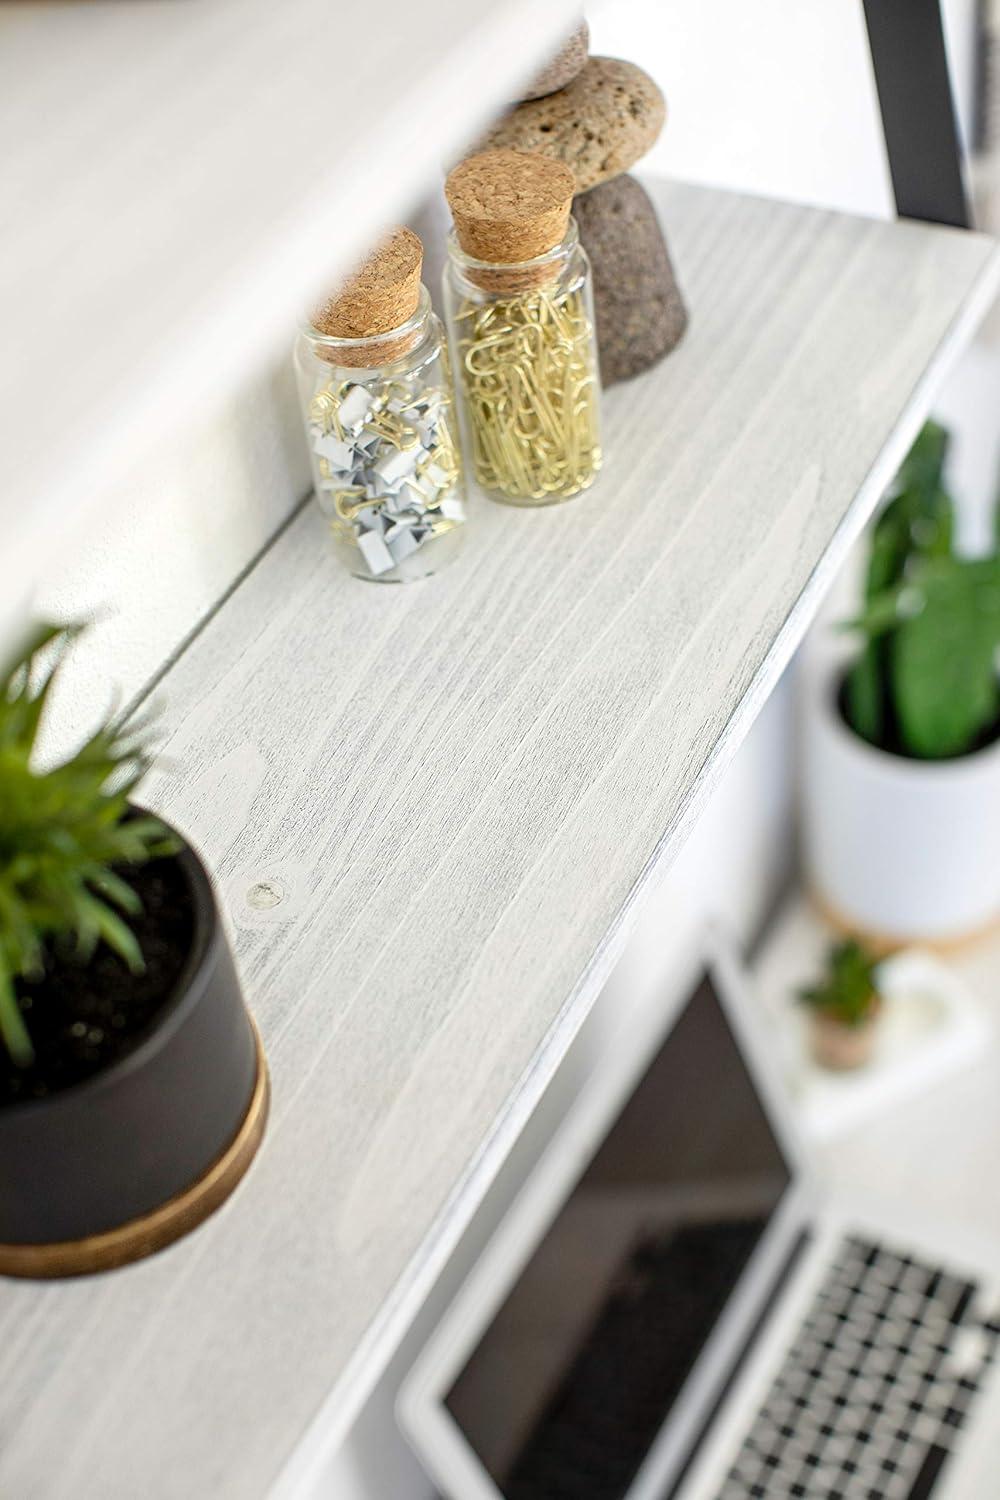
673, 1308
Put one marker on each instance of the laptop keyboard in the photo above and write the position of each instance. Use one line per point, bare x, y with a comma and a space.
876, 1388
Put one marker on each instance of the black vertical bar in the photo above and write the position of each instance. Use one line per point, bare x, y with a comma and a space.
918, 111
981, 80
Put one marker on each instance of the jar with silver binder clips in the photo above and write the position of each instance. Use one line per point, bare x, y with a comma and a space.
378, 405
519, 308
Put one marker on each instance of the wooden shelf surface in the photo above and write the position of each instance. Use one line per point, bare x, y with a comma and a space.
458, 792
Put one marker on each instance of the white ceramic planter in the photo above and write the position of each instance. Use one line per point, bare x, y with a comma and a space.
899, 850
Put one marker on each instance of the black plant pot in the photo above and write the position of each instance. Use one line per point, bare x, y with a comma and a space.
126, 1161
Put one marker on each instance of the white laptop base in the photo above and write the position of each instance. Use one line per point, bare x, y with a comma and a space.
897, 1459
903, 1404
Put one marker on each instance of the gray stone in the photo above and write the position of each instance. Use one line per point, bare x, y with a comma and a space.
640, 312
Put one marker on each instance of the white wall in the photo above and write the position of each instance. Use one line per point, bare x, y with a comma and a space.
773, 97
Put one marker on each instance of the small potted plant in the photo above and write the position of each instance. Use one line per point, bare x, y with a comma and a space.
901, 751
133, 1090
844, 1007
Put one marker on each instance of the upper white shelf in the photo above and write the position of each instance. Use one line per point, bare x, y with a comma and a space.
176, 180
461, 790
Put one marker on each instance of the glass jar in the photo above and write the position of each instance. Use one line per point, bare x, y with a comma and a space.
380, 422
523, 341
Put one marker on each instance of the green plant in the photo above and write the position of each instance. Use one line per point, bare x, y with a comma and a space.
925, 682
848, 993
66, 834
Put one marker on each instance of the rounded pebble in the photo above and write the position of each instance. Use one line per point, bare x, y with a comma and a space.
600, 124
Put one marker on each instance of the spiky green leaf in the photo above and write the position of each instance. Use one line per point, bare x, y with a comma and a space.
850, 985
944, 674
67, 835
13, 1031
925, 679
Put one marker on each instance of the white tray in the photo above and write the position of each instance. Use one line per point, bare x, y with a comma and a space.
931, 1025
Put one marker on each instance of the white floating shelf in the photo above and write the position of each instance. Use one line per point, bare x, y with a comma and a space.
177, 179
462, 788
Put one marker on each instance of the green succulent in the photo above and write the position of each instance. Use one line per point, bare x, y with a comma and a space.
925, 681
849, 988
66, 834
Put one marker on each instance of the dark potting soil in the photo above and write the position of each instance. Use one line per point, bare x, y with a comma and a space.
84, 1017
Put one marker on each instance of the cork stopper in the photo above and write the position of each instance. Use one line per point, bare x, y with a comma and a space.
510, 207
382, 294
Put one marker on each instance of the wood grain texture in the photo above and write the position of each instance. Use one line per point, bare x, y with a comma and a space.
179, 181
462, 788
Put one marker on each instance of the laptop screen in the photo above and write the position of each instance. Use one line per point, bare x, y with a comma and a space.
575, 1376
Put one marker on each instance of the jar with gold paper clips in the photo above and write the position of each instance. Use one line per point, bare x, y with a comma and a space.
378, 405
519, 308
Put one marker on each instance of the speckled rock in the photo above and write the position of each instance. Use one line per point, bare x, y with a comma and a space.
564, 66
640, 312
600, 124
